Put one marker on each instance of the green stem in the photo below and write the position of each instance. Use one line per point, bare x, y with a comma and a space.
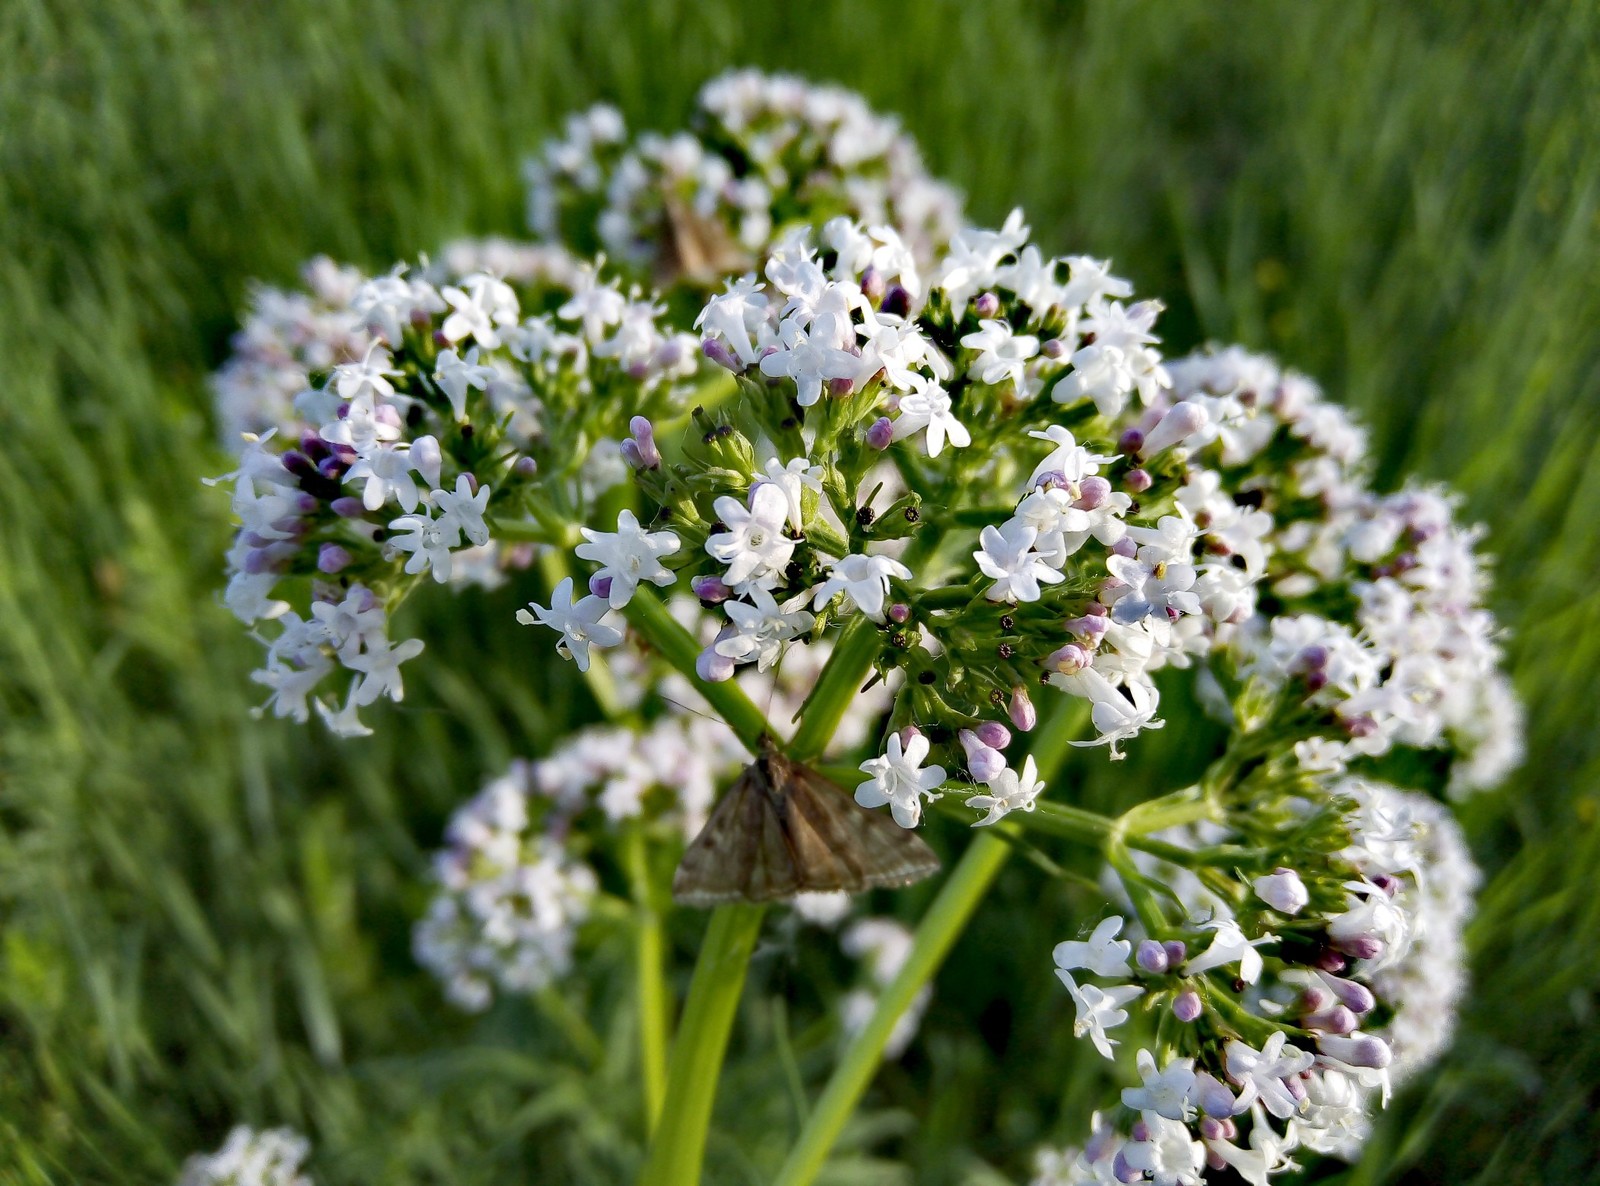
835, 689
678, 647
680, 1135
937, 932
650, 956
572, 1024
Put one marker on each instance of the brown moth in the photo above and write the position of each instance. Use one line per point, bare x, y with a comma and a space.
698, 249
783, 829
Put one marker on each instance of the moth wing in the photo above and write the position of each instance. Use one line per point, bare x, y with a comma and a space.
868, 846
774, 873
822, 836
718, 863
698, 249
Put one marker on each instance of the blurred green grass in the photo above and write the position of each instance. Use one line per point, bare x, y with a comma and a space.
204, 919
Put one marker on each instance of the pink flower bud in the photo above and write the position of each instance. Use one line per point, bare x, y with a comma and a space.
1152, 957
987, 304
1182, 421
712, 667
332, 558
1093, 492
1069, 660
1186, 1006
881, 433
721, 355
1023, 715
710, 588
1138, 481
1130, 442
1359, 1050
525, 467
899, 613
994, 735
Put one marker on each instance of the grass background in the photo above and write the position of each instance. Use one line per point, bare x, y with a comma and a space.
205, 919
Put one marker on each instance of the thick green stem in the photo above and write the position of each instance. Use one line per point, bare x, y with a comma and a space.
835, 690
649, 953
937, 932
678, 647
680, 1135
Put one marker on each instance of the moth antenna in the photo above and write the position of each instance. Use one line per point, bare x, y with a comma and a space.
682, 707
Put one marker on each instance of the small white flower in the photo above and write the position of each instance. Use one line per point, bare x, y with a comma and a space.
1283, 890
581, 623
732, 315
1102, 953
367, 379
794, 479
755, 546
760, 628
1117, 716
1261, 1073
1169, 1154
628, 556
1162, 589
1099, 1009
1068, 458
864, 580
379, 666
385, 472
464, 510
1165, 1092
1002, 353
428, 541
1006, 553
482, 307
928, 407
808, 359
455, 375
899, 780
1229, 947
1009, 791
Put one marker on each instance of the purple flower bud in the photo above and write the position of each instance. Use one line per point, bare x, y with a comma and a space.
313, 446
841, 387
1315, 999
881, 433
1125, 547
1152, 957
298, 464
712, 667
600, 586
1069, 659
899, 613
1388, 883
1021, 711
1122, 1171
631, 454
348, 508
1140, 1131
1177, 951
1130, 442
1091, 625
331, 558
644, 437
897, 301
986, 764
331, 467
1138, 481
1211, 1130
994, 735
1093, 492
987, 304
1295, 1088
1330, 960
525, 466
257, 561
1356, 997
1337, 1020
1283, 890
710, 588
1362, 726
1053, 348
1181, 421
1186, 1007
721, 355
1361, 947
873, 285
907, 734
1359, 1050
291, 525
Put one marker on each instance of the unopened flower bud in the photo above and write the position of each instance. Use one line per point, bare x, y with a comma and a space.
427, 458
1330, 960
1283, 890
987, 304
1130, 442
332, 558
712, 667
1093, 492
1181, 421
1211, 1130
1023, 715
1152, 957
525, 466
348, 508
899, 613
1122, 1171
1388, 883
985, 764
908, 733
1361, 947
1356, 997
600, 586
1186, 1007
1359, 1050
388, 415
873, 285
721, 355
993, 734
631, 454
1337, 1020
1214, 1098
881, 433
841, 387
644, 437
1053, 348
711, 588
1069, 660
897, 301
1140, 1130
1177, 951
1138, 480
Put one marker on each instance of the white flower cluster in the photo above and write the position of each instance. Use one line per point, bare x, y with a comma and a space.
510, 899
1315, 990
248, 1157
882, 945
400, 452
699, 205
